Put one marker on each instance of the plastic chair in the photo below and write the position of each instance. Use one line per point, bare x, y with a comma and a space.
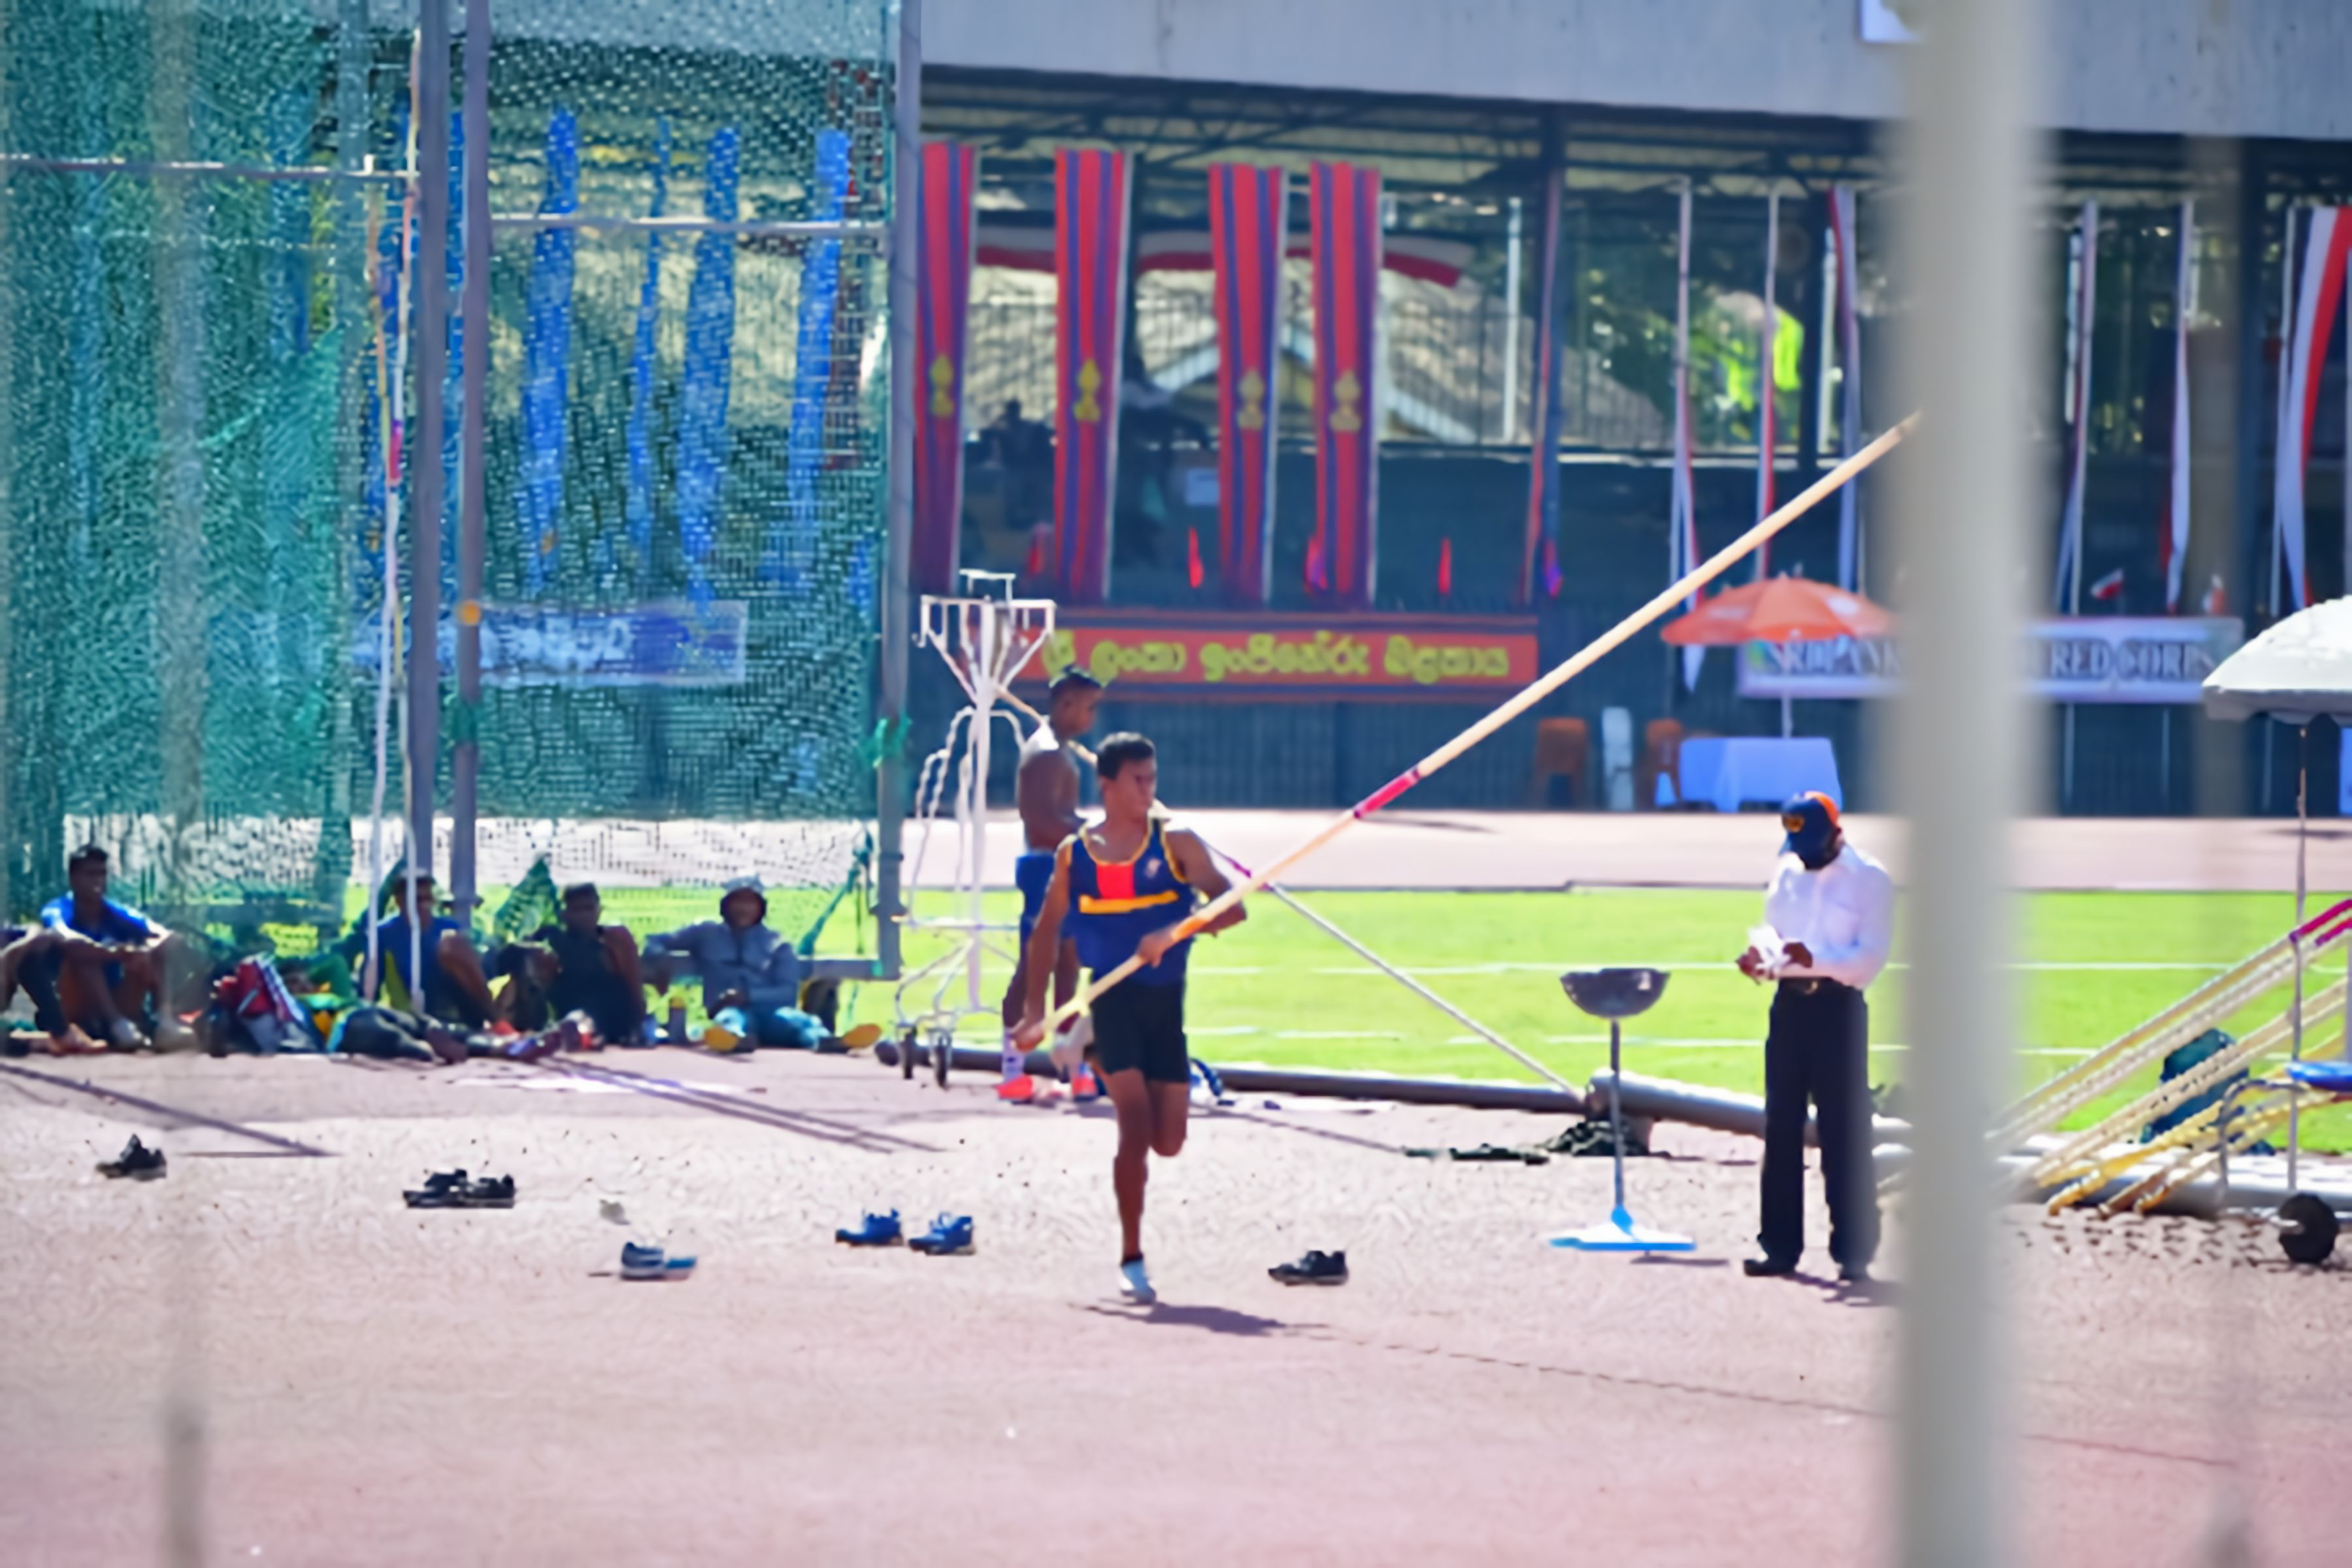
1662, 757
1563, 749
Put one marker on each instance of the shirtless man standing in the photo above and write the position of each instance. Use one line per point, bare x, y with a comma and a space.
1046, 791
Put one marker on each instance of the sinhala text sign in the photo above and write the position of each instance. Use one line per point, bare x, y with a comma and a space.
1140, 653
2089, 658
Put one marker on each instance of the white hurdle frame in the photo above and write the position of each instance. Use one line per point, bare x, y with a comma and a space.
987, 638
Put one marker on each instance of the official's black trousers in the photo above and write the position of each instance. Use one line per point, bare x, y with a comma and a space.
1818, 1049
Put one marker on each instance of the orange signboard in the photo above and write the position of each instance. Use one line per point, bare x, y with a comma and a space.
1144, 654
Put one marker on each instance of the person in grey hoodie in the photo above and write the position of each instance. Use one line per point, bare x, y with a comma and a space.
741, 963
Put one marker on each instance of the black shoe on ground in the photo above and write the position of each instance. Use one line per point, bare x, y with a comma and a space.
137, 1162
1769, 1267
442, 1190
1854, 1273
489, 1193
1314, 1268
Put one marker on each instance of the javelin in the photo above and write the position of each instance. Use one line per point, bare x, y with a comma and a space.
1715, 566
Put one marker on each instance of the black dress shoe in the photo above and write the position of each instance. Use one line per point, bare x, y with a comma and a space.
1854, 1273
1768, 1268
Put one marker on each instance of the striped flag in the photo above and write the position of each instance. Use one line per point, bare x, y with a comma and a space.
1248, 219
1540, 562
709, 348
547, 359
1849, 337
1340, 563
1681, 519
2172, 544
1767, 434
639, 503
1090, 224
2066, 582
951, 174
2313, 323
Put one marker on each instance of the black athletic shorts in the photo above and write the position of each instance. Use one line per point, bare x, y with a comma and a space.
1143, 1027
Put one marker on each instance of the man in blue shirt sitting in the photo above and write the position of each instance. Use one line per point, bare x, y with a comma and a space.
109, 960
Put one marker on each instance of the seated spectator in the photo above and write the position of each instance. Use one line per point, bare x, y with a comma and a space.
28, 956
456, 990
585, 966
742, 964
108, 960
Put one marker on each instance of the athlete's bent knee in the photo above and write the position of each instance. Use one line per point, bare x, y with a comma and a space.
1168, 1142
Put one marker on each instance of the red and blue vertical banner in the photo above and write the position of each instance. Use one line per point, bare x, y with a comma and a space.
1340, 563
1090, 266
1541, 563
943, 313
1247, 218
2316, 295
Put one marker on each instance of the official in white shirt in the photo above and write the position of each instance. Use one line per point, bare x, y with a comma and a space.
1829, 917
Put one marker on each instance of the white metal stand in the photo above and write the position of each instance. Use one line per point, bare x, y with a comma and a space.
987, 638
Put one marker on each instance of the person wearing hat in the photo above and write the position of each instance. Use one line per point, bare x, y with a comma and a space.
1829, 918
741, 963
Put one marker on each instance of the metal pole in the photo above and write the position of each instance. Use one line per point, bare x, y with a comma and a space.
897, 608
1511, 328
465, 721
1960, 754
2302, 844
430, 357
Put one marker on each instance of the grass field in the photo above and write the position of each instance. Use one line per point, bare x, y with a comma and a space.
1276, 990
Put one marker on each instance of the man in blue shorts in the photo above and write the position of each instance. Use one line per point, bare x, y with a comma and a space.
1045, 791
1126, 885
109, 960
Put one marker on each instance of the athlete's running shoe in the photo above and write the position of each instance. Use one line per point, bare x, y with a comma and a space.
1135, 1284
137, 1161
1314, 1268
1022, 1090
1083, 1085
875, 1230
949, 1234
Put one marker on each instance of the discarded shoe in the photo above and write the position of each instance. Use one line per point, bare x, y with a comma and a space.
137, 1161
489, 1193
949, 1234
1314, 1268
643, 1262
442, 1190
875, 1230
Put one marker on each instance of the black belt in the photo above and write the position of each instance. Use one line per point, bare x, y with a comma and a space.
1813, 985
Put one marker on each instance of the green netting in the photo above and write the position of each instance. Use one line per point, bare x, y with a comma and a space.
684, 456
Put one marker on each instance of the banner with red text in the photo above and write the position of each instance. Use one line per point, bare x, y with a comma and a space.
1143, 653
1090, 220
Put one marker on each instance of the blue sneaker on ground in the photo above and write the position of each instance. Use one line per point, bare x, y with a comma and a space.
643, 1262
949, 1234
875, 1230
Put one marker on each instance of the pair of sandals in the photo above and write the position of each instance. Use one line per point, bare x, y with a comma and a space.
452, 1190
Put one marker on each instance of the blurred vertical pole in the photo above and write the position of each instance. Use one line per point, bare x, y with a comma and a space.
354, 318
11, 842
180, 638
1961, 748
898, 593
464, 726
429, 363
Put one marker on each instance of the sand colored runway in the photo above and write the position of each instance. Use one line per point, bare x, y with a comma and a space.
381, 1385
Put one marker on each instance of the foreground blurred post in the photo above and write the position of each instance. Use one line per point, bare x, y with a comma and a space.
1960, 747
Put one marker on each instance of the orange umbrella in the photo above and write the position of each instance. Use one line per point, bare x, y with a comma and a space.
1779, 609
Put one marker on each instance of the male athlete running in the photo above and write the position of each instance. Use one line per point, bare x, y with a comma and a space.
1045, 791
1126, 883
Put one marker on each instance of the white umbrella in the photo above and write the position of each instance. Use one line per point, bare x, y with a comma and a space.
2297, 672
